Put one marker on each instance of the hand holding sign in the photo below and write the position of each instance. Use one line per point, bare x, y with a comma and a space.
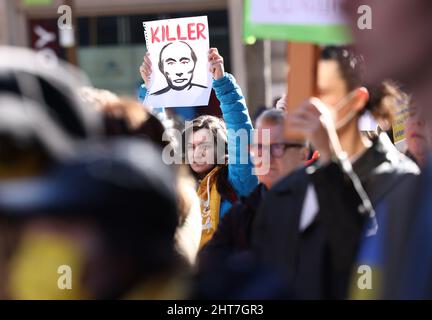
179, 48
216, 64
146, 70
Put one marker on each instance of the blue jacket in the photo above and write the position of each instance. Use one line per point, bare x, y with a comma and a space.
236, 116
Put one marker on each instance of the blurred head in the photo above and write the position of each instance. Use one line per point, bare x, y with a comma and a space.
274, 156
415, 135
177, 62
404, 57
128, 118
341, 87
206, 144
399, 45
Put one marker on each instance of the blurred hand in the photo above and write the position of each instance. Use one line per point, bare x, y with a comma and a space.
313, 120
146, 70
216, 64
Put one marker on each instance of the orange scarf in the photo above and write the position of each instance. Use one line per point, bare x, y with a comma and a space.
210, 200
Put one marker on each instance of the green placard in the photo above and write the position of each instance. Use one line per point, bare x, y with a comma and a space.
319, 34
38, 2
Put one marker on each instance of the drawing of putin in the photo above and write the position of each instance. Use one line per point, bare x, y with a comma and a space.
177, 62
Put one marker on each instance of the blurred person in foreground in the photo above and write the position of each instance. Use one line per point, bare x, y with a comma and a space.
405, 248
310, 224
42, 122
125, 117
42, 167
88, 229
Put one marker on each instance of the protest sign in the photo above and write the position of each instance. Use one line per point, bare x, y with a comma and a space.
180, 70
315, 21
401, 116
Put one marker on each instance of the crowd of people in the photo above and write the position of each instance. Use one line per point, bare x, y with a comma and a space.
297, 204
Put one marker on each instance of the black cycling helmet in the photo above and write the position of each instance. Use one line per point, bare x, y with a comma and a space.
39, 105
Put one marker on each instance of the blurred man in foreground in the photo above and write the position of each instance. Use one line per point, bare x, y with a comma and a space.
405, 58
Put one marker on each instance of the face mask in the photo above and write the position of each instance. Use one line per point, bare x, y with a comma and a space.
340, 106
46, 266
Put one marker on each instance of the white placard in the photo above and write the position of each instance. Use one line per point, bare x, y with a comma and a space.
180, 70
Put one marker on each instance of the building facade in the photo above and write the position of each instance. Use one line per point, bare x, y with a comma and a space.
110, 40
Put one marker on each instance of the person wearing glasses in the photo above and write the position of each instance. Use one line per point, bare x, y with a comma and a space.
274, 157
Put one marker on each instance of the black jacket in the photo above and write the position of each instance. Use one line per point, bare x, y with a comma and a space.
407, 268
234, 231
317, 262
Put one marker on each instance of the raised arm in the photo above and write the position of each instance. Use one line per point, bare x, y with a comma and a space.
238, 124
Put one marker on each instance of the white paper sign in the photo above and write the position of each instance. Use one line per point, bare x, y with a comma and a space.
180, 69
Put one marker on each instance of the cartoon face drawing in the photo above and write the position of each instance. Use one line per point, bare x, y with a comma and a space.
177, 63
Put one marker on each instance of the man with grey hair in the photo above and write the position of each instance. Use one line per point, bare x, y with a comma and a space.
274, 158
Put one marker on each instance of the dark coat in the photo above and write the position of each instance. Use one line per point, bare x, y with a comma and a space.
407, 245
234, 231
317, 261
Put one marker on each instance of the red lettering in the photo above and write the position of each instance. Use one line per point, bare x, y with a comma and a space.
154, 37
179, 37
163, 34
168, 35
200, 29
191, 31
